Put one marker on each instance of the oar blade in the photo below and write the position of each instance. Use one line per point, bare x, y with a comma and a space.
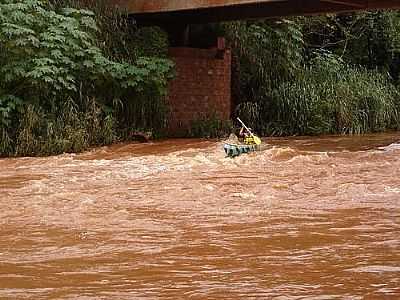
257, 140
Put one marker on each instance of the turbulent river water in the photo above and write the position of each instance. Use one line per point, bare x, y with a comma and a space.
305, 218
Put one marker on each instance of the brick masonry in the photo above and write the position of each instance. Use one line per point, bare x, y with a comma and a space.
201, 88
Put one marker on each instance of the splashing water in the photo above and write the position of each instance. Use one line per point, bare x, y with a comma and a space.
303, 218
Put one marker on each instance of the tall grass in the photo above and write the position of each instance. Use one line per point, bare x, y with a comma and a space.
68, 128
210, 126
317, 75
327, 96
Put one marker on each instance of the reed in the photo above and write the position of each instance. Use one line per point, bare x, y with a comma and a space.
317, 75
327, 97
210, 126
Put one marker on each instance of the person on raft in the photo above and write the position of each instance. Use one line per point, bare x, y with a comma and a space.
246, 136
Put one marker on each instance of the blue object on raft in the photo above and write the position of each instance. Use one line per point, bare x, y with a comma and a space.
233, 150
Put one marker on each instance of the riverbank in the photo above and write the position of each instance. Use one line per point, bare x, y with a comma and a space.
110, 78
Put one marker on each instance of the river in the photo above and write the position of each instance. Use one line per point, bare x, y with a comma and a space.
305, 218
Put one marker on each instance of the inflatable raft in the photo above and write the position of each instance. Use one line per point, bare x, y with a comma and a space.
233, 150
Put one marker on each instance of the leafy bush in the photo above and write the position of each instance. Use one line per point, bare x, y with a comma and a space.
51, 63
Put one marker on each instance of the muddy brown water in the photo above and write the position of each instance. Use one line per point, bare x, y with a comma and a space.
305, 218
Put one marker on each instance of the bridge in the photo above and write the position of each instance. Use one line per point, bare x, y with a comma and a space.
204, 11
202, 86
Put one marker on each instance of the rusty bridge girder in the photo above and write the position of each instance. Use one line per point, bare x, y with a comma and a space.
204, 11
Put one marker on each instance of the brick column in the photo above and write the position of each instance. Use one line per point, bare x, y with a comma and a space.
201, 88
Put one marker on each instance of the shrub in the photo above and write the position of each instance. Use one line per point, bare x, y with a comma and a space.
52, 60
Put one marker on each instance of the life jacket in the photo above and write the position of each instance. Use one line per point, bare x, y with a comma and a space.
249, 140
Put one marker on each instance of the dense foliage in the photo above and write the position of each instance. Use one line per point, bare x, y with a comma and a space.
318, 75
67, 82
76, 73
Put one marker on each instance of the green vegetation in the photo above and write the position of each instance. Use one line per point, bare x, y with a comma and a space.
70, 78
318, 75
210, 126
75, 73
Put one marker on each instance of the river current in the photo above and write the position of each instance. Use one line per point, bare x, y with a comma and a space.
305, 218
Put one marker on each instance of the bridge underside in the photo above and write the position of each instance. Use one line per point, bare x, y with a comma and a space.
205, 11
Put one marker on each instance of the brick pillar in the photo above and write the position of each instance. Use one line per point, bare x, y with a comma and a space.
201, 88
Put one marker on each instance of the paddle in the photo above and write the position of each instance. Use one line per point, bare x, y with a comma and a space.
257, 140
